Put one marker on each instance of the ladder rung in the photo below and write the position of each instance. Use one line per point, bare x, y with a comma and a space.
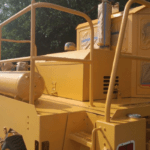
135, 57
82, 138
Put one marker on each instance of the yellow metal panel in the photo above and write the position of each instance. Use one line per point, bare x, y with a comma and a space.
143, 36
82, 138
21, 117
145, 10
119, 132
82, 54
83, 33
50, 126
102, 67
142, 109
119, 108
52, 106
142, 90
63, 79
71, 80
134, 10
127, 42
78, 122
52, 129
143, 50
134, 50
135, 42
60, 105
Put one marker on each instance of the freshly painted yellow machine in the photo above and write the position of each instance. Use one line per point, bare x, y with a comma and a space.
94, 98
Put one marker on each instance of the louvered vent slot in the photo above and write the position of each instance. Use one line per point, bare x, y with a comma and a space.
106, 84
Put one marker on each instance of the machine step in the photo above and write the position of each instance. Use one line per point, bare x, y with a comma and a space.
82, 138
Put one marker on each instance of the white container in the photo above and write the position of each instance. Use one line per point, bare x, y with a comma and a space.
104, 24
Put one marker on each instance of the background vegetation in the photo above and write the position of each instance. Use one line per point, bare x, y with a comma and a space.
53, 28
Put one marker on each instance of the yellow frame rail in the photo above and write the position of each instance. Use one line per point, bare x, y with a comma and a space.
33, 56
118, 54
15, 41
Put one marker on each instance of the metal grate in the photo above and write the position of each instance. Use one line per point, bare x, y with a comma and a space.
106, 81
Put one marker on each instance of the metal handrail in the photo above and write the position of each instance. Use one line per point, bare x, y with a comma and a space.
117, 55
16, 41
61, 59
32, 57
135, 57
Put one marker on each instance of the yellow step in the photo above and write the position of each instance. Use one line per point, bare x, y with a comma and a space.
82, 138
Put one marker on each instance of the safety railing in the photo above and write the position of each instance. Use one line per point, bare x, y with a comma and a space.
32, 58
118, 54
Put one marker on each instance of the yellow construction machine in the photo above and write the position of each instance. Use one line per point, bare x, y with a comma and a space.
94, 98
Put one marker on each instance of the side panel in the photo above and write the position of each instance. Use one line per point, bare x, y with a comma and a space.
21, 117
76, 122
116, 133
52, 130
62, 79
135, 52
115, 29
83, 35
102, 69
79, 122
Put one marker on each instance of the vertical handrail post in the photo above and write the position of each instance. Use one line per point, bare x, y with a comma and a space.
91, 90
35, 51
32, 53
116, 60
94, 138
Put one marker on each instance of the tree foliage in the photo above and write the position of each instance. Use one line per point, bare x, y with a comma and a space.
53, 28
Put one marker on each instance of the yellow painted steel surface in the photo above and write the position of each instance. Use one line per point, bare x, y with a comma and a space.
71, 80
82, 119
16, 85
129, 85
68, 124
118, 132
24, 119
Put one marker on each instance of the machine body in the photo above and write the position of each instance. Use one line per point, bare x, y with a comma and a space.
60, 86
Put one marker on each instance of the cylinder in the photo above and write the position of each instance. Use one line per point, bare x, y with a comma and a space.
104, 24
16, 84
